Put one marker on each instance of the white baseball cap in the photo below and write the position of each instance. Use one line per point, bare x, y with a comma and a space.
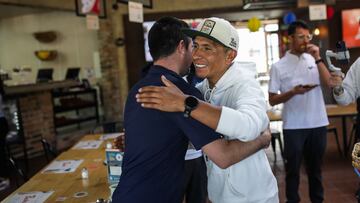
216, 29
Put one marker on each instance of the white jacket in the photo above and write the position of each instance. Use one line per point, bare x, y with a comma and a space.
243, 117
351, 85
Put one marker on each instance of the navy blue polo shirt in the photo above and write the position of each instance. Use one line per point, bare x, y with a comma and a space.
156, 143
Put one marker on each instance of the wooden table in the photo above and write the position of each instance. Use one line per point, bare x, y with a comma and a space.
332, 112
66, 185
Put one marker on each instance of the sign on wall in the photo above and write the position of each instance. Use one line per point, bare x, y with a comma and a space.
145, 3
90, 7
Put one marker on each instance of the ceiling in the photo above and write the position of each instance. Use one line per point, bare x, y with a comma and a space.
8, 11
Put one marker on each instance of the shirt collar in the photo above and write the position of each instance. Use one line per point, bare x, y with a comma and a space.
293, 56
160, 70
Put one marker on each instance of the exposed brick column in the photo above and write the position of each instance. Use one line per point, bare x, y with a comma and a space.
37, 121
111, 77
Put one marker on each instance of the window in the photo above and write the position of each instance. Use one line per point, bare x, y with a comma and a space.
261, 47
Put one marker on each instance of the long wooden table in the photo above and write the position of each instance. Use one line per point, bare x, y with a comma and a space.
66, 185
333, 111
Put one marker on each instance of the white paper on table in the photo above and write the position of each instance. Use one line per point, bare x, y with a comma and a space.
63, 166
110, 136
30, 197
331, 105
88, 144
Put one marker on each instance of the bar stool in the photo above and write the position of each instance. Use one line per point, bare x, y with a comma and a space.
332, 129
276, 135
14, 138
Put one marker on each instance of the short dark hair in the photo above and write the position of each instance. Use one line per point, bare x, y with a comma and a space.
297, 24
165, 35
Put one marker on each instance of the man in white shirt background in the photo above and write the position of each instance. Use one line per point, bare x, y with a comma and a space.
295, 81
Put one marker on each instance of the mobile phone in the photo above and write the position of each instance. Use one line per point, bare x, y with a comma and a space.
309, 85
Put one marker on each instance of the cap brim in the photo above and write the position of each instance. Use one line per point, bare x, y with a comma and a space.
194, 33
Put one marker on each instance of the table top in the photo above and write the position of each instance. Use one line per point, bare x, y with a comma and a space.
67, 184
332, 111
337, 110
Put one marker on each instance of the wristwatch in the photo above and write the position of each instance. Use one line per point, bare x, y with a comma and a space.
338, 90
190, 104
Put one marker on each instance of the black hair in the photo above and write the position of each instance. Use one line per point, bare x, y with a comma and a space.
191, 78
297, 24
165, 35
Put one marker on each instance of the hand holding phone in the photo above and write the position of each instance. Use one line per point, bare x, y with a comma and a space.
310, 85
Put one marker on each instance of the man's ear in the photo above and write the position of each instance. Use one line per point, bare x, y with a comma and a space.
230, 56
181, 47
289, 39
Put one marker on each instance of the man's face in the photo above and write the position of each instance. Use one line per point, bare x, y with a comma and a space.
300, 39
209, 59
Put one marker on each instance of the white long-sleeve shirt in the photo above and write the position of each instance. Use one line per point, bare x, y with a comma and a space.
243, 117
351, 85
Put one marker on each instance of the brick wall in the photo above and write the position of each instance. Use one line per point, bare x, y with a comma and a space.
37, 120
110, 81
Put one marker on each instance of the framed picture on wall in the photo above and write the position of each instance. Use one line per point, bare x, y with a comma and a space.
145, 3
351, 27
88, 7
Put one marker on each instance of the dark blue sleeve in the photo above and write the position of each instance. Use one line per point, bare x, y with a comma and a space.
198, 133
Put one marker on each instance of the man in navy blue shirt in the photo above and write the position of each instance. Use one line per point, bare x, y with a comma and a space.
156, 142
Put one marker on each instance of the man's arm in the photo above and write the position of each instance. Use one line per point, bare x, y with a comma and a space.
346, 91
323, 70
225, 153
169, 98
275, 99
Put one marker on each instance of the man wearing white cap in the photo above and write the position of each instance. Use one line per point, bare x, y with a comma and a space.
237, 110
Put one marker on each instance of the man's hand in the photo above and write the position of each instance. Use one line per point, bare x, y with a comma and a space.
164, 98
119, 142
265, 138
335, 79
314, 51
300, 89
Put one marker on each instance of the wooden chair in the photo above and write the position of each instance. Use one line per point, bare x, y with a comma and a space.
112, 127
48, 150
332, 129
355, 131
108, 127
18, 171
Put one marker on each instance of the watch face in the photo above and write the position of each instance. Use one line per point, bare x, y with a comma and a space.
191, 102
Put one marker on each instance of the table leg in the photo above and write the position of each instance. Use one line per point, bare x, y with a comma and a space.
343, 119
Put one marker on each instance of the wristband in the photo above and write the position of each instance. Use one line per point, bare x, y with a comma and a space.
319, 61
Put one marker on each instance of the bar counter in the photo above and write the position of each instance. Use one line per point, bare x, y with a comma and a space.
34, 114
